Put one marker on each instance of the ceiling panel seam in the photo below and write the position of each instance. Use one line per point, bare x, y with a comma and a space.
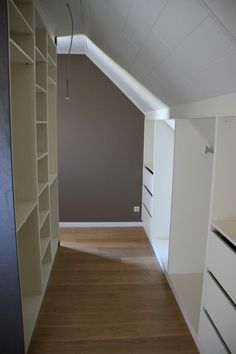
143, 42
217, 20
124, 28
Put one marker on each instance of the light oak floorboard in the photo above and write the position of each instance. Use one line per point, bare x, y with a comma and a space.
108, 295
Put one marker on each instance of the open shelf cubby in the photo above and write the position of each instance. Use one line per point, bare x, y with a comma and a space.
43, 170
41, 76
19, 56
45, 236
39, 56
46, 265
19, 23
30, 273
40, 35
26, 11
42, 139
52, 130
54, 214
21, 33
41, 107
52, 73
23, 140
52, 51
28, 238
43, 206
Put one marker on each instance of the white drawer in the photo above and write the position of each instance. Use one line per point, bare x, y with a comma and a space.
221, 311
146, 221
221, 261
147, 200
209, 341
148, 179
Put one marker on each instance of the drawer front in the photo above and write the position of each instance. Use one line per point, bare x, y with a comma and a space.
210, 343
148, 180
147, 200
221, 261
221, 311
146, 221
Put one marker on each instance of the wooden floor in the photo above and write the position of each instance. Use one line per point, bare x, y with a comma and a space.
108, 295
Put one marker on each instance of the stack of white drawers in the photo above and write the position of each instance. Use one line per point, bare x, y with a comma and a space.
148, 187
217, 331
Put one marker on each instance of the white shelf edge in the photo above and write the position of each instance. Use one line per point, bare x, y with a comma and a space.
44, 59
50, 59
26, 23
40, 89
43, 214
21, 52
41, 187
44, 242
41, 122
23, 211
51, 82
41, 155
46, 271
52, 178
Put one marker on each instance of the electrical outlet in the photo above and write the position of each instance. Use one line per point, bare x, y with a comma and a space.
136, 209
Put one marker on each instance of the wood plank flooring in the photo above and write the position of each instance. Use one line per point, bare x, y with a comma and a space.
108, 295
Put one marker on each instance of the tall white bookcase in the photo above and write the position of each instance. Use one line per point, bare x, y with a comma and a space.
33, 77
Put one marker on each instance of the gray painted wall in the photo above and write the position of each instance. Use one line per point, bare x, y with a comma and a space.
100, 147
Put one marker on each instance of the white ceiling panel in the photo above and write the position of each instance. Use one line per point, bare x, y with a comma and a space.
115, 19
127, 51
153, 51
159, 89
178, 20
103, 2
218, 77
142, 16
206, 44
225, 11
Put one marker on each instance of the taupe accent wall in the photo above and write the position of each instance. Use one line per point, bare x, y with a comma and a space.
100, 147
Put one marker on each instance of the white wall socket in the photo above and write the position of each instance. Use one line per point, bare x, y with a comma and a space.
136, 209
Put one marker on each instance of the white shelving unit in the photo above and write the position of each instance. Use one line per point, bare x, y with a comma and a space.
34, 145
157, 185
176, 215
190, 214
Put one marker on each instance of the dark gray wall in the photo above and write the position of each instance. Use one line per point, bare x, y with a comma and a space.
100, 147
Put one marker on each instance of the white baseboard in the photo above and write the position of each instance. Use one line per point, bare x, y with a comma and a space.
101, 224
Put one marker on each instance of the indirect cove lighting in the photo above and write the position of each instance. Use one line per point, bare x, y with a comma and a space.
69, 53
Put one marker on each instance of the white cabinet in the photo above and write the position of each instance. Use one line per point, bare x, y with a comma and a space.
148, 179
221, 262
210, 341
221, 310
219, 294
157, 185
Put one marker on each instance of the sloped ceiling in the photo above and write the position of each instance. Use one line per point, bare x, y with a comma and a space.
181, 50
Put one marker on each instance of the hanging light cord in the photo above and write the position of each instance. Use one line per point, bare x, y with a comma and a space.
69, 53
